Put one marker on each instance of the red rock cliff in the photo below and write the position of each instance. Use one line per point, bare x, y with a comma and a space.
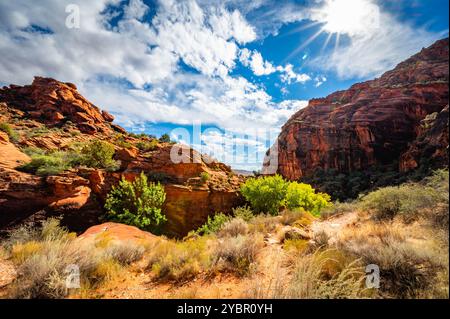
371, 123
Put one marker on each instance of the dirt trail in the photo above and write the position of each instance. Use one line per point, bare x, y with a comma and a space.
333, 225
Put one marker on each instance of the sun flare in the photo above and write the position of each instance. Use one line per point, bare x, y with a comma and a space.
350, 17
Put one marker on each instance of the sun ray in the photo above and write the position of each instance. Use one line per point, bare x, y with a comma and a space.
304, 44
336, 44
302, 28
326, 43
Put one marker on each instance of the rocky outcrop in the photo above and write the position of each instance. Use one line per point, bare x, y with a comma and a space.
53, 103
53, 116
431, 145
119, 232
372, 123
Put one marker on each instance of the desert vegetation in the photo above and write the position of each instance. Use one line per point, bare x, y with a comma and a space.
291, 254
137, 203
96, 154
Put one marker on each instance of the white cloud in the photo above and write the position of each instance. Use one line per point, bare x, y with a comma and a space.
288, 75
231, 25
319, 80
259, 66
255, 61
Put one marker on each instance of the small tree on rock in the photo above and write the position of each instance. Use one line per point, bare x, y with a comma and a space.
137, 203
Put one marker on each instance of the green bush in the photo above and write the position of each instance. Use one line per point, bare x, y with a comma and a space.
147, 145
49, 163
301, 195
270, 193
137, 203
243, 212
165, 138
5, 127
265, 194
204, 176
213, 224
99, 154
407, 200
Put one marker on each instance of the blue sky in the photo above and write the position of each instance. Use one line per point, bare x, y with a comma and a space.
233, 70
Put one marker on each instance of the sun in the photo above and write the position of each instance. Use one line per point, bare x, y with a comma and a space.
351, 17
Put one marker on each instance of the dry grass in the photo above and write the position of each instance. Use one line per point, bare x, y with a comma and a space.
309, 279
233, 228
44, 261
237, 254
339, 208
263, 223
180, 261
409, 267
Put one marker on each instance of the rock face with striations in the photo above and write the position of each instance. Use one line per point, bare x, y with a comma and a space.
53, 116
375, 122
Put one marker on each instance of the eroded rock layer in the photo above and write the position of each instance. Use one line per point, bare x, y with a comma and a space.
372, 123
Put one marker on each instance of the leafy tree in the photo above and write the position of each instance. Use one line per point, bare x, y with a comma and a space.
137, 203
270, 193
265, 194
300, 195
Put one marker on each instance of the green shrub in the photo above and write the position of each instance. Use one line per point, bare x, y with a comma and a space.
270, 193
244, 212
265, 194
137, 203
48, 164
146, 146
301, 195
13, 135
165, 138
99, 154
204, 176
213, 224
407, 200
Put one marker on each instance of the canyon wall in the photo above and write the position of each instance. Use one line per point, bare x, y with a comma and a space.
377, 122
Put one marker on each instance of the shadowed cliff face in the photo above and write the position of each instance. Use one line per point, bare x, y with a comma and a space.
372, 123
50, 115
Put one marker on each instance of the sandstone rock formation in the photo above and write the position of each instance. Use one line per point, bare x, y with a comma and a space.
372, 123
51, 116
53, 102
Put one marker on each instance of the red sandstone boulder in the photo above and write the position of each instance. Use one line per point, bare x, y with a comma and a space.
117, 231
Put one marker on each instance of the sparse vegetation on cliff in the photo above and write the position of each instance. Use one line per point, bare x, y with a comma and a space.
99, 154
13, 135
